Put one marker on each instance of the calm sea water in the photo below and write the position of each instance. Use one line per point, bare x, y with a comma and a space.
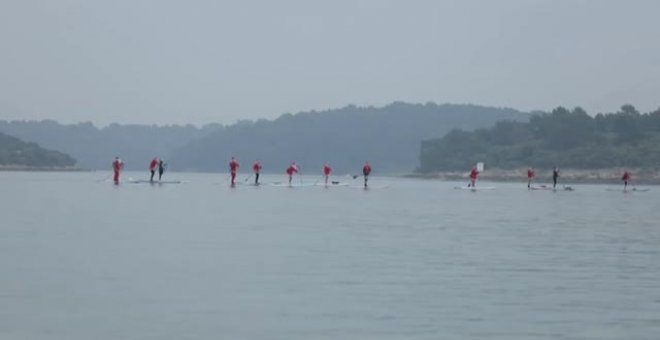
83, 259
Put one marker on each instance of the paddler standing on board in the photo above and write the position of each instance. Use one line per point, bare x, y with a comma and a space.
627, 177
292, 169
474, 174
152, 167
530, 177
161, 168
233, 169
555, 175
366, 170
327, 170
117, 167
256, 167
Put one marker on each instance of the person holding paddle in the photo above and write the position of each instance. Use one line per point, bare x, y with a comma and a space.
152, 168
233, 169
627, 176
257, 170
161, 168
117, 167
530, 177
366, 170
555, 175
327, 170
292, 169
474, 174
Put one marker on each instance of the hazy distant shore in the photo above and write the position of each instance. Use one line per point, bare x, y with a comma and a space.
568, 176
40, 168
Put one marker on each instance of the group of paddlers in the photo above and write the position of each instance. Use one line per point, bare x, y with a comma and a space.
531, 175
291, 170
159, 165
156, 164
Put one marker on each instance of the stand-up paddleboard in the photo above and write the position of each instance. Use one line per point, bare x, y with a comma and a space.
369, 187
248, 184
292, 185
142, 181
628, 190
474, 188
550, 188
331, 184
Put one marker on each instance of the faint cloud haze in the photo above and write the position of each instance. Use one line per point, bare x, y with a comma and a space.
163, 62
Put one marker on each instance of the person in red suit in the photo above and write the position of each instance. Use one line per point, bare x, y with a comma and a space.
233, 169
256, 167
366, 171
327, 170
117, 167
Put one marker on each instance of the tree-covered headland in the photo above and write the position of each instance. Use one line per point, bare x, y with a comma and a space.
563, 138
15, 153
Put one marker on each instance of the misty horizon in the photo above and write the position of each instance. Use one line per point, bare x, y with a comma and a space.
328, 110
166, 62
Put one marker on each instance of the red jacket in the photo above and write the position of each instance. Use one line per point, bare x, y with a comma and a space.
366, 169
327, 170
292, 169
153, 165
474, 173
626, 176
233, 165
117, 165
530, 173
256, 167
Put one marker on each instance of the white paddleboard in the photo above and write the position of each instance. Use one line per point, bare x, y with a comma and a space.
253, 184
549, 188
475, 188
292, 185
332, 184
142, 181
628, 190
369, 187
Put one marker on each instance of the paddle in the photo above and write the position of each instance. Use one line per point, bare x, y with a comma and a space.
107, 178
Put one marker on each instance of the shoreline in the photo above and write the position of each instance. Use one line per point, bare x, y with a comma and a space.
567, 176
10, 168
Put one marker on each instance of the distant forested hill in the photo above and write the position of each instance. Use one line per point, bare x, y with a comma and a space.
15, 152
562, 138
95, 148
388, 137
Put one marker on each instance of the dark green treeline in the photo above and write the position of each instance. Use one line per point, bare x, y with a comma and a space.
562, 138
15, 152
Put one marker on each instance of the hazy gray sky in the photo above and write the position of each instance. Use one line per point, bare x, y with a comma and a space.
163, 62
